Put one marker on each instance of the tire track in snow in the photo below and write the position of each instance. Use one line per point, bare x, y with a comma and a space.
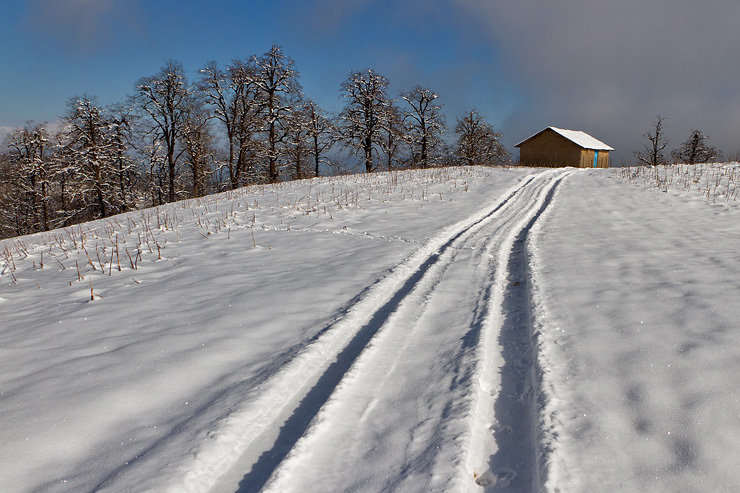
512, 414
449, 416
248, 440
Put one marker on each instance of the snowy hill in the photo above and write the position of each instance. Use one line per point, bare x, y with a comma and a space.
461, 329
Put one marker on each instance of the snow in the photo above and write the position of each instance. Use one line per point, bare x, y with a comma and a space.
466, 329
640, 346
581, 138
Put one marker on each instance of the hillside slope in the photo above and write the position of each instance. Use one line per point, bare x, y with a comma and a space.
639, 337
462, 329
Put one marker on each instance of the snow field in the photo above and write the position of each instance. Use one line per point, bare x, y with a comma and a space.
422, 418
716, 182
124, 391
407, 285
576, 330
637, 336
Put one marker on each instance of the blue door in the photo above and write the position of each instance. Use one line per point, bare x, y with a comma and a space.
596, 159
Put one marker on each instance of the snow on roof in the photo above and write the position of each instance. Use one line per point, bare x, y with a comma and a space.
576, 136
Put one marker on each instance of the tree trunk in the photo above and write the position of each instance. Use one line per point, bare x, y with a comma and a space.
424, 157
272, 157
171, 166
368, 155
44, 208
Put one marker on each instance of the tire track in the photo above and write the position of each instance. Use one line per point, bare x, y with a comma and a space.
431, 421
254, 437
516, 462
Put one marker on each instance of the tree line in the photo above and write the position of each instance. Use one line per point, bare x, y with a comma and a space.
694, 150
245, 123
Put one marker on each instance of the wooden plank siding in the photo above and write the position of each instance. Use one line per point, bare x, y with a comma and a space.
587, 159
552, 150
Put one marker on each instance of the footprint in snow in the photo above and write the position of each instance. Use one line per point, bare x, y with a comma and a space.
485, 479
503, 478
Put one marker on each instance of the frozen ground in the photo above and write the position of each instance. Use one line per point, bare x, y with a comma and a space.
451, 330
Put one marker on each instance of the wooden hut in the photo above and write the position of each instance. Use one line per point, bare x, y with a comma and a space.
556, 147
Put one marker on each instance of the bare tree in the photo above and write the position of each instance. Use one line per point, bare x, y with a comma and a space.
92, 153
695, 149
277, 87
155, 173
233, 97
120, 126
321, 132
652, 153
8, 200
361, 121
427, 124
197, 141
393, 136
297, 142
165, 98
478, 143
28, 182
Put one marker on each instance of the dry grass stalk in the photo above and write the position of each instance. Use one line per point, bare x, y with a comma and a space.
133, 266
118, 257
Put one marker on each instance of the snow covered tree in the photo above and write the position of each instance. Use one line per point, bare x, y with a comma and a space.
95, 156
197, 142
28, 181
120, 129
277, 89
393, 136
164, 99
426, 124
321, 132
695, 150
154, 168
233, 98
652, 153
478, 143
297, 144
361, 120
7, 202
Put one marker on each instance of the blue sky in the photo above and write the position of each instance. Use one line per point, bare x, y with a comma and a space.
604, 67
103, 47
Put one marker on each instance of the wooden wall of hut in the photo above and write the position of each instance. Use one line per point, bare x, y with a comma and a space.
550, 149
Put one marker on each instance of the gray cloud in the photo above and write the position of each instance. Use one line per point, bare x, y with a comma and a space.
86, 26
610, 67
325, 16
603, 66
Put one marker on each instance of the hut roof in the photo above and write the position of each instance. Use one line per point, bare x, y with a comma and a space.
576, 136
